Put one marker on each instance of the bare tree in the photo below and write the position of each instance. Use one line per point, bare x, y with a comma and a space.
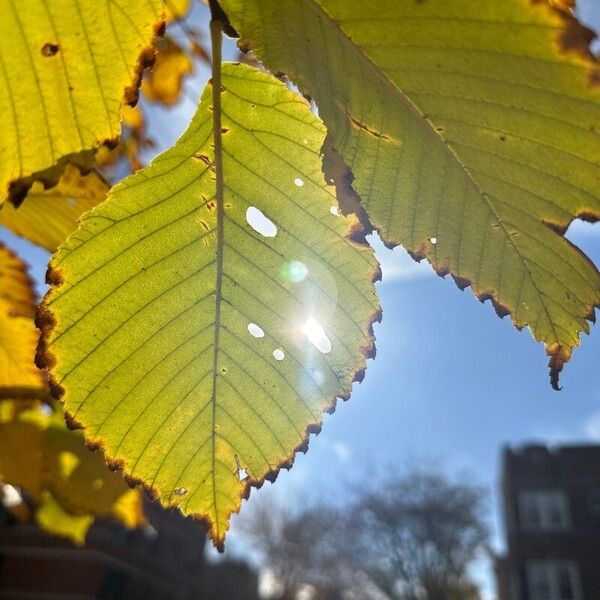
411, 536
299, 550
417, 533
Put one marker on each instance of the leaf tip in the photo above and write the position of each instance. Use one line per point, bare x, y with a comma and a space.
559, 355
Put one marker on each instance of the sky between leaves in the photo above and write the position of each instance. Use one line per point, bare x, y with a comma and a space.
451, 380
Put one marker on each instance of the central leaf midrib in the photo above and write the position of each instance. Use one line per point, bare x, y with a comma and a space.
216, 29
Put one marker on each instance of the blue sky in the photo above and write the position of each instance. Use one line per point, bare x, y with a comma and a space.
451, 383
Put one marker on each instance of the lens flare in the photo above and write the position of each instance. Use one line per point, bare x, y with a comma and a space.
316, 334
294, 271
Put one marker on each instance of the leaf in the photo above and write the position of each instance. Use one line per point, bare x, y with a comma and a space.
472, 130
70, 484
19, 378
177, 9
53, 518
67, 67
180, 337
22, 457
164, 82
47, 217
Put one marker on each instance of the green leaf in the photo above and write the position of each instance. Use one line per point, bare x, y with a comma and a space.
47, 216
67, 68
472, 130
192, 347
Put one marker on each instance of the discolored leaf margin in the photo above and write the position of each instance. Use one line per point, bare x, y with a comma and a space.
49, 322
48, 216
255, 20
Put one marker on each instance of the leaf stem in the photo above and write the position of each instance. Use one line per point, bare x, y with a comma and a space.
216, 28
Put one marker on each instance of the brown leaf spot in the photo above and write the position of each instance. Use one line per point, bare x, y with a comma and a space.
49, 49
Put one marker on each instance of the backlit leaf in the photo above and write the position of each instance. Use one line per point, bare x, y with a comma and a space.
472, 130
198, 342
52, 517
164, 81
47, 217
19, 377
66, 69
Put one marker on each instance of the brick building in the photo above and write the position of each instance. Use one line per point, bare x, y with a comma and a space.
164, 562
551, 506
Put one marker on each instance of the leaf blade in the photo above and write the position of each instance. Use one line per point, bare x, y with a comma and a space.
431, 104
67, 69
144, 263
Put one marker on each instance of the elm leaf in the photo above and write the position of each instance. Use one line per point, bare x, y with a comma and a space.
205, 315
472, 130
66, 69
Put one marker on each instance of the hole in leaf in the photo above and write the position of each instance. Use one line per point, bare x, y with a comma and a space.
334, 210
433, 240
49, 49
181, 491
299, 182
316, 334
242, 474
255, 330
278, 354
261, 224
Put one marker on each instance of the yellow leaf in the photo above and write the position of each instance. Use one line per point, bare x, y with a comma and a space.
19, 378
53, 518
81, 482
48, 216
133, 117
22, 457
41, 456
67, 68
177, 9
164, 81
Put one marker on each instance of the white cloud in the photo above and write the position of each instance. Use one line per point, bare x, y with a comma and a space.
341, 450
591, 427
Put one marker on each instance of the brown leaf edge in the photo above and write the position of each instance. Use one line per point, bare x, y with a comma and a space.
575, 39
340, 175
84, 159
44, 359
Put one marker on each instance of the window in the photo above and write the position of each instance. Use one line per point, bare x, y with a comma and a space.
553, 580
543, 510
